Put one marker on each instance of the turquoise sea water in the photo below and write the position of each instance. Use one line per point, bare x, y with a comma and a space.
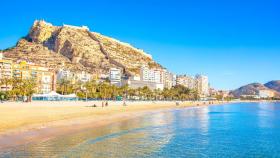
234, 130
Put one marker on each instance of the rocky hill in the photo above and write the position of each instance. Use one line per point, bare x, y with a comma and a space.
253, 89
77, 48
275, 85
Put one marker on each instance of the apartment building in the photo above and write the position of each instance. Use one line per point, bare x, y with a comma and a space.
115, 76
202, 85
187, 81
5, 72
44, 77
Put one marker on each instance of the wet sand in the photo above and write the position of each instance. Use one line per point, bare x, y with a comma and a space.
22, 123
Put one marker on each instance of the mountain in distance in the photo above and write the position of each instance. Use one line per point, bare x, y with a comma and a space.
275, 85
77, 49
254, 88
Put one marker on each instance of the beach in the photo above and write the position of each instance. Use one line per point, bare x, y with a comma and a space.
18, 115
27, 122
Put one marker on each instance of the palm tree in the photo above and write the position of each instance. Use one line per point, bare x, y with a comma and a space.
26, 88
91, 87
63, 86
74, 88
6, 82
156, 94
132, 92
15, 92
103, 90
147, 92
124, 91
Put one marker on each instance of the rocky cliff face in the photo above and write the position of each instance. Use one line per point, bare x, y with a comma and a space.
77, 49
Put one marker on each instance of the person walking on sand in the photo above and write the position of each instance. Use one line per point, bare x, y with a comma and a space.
106, 104
102, 104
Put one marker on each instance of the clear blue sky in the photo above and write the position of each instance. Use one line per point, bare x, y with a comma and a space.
234, 42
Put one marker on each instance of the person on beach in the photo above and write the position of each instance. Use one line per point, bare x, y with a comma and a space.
106, 104
102, 104
2, 98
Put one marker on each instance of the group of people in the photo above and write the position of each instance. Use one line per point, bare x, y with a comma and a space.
105, 104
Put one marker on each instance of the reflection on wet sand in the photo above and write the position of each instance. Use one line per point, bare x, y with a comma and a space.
132, 138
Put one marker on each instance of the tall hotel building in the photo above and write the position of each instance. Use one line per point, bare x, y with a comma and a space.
115, 76
202, 85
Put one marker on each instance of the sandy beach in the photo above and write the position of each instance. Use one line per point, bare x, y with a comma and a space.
26, 122
18, 115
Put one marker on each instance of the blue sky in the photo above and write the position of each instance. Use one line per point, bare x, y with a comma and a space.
234, 42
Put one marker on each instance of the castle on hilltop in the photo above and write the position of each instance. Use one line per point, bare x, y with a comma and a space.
77, 27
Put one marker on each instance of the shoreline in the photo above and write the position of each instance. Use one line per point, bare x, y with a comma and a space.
19, 116
58, 121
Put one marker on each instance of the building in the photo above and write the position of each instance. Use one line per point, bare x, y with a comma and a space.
135, 78
202, 85
5, 72
168, 79
47, 81
266, 94
213, 92
158, 76
151, 75
174, 80
64, 74
44, 77
219, 94
83, 77
140, 84
146, 74
115, 76
186, 81
5, 67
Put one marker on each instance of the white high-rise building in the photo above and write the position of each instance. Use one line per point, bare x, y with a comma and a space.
174, 79
168, 79
145, 74
187, 81
84, 76
63, 74
202, 85
153, 78
151, 75
158, 76
116, 76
